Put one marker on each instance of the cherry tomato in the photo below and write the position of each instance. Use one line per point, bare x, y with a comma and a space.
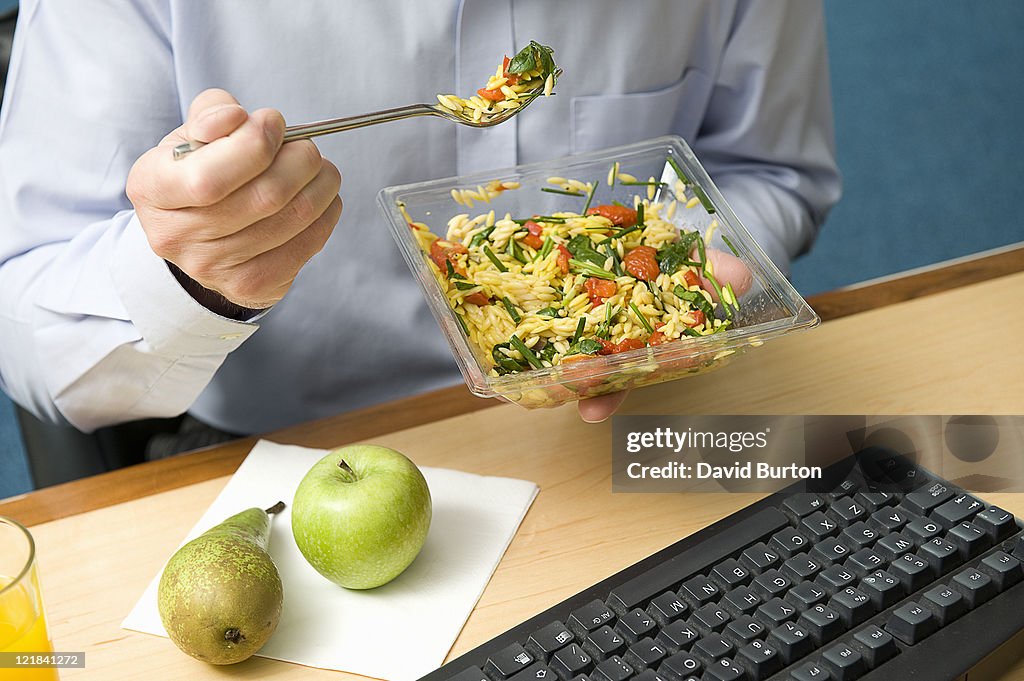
620, 216
607, 347
478, 298
691, 279
442, 251
658, 338
492, 95
533, 239
698, 318
641, 263
600, 290
512, 78
627, 345
563, 258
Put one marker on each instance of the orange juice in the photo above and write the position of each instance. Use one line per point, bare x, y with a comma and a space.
23, 629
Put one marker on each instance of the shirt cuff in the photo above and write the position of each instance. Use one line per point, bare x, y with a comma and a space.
170, 321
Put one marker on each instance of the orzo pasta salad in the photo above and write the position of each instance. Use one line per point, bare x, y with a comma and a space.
536, 291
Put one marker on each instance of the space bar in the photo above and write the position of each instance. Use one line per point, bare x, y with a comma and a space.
694, 559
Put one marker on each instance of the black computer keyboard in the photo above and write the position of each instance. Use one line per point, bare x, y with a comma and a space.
887, 576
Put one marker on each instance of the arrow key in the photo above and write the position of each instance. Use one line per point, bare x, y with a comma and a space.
535, 672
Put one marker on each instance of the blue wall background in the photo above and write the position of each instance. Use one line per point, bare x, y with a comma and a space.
928, 101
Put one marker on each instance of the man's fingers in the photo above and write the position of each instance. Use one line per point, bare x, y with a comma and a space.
208, 99
213, 123
728, 269
598, 409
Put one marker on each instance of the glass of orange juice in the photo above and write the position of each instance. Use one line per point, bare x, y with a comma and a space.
22, 619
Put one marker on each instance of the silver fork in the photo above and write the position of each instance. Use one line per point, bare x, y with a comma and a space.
317, 128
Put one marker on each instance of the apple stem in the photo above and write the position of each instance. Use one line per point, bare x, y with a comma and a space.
276, 508
350, 474
234, 636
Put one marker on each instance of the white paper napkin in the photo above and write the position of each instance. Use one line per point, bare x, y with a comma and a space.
399, 631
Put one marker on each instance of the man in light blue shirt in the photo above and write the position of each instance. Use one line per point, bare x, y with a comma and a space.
116, 305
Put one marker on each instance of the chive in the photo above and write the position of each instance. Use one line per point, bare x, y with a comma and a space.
679, 171
540, 218
515, 250
591, 270
614, 255
480, 237
697, 299
687, 331
643, 319
640, 215
735, 300
462, 323
494, 259
718, 290
621, 233
465, 285
512, 312
643, 184
579, 330
546, 248
526, 352
729, 244
708, 206
702, 254
565, 192
593, 190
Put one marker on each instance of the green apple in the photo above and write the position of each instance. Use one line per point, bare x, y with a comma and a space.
361, 515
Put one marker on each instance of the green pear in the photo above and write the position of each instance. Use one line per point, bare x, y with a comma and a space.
220, 595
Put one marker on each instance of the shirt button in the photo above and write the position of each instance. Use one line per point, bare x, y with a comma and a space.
230, 336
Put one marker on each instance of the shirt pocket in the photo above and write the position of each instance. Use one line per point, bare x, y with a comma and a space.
600, 121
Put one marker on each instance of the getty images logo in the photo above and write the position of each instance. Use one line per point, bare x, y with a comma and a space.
678, 440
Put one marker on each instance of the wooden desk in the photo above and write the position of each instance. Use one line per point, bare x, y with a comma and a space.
949, 352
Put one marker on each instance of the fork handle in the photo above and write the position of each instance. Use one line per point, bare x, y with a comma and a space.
317, 128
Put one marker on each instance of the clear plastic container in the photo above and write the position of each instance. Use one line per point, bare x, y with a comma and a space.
771, 308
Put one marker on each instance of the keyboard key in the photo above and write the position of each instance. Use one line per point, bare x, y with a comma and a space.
570, 661
853, 606
743, 630
975, 585
724, 670
956, 510
770, 584
883, 588
710, 618
847, 511
911, 623
716, 548
844, 662
822, 623
546, 640
612, 669
508, 661
759, 659
894, 545
945, 603
788, 542
818, 526
921, 530
889, 519
801, 567
875, 500
997, 523
699, 590
806, 594
775, 612
875, 645
711, 648
969, 538
535, 672
830, 550
645, 654
635, 624
588, 618
860, 535
847, 487
678, 635
912, 571
835, 577
729, 574
923, 500
792, 641
864, 562
942, 555
812, 671
680, 666
741, 601
759, 558
603, 643
1004, 569
1018, 548
470, 674
668, 607
651, 675
798, 506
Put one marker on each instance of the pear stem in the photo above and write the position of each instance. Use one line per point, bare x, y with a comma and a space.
276, 508
234, 636
350, 475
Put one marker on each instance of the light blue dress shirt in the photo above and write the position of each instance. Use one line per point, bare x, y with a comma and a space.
95, 330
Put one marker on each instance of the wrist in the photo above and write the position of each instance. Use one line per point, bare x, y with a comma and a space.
210, 299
